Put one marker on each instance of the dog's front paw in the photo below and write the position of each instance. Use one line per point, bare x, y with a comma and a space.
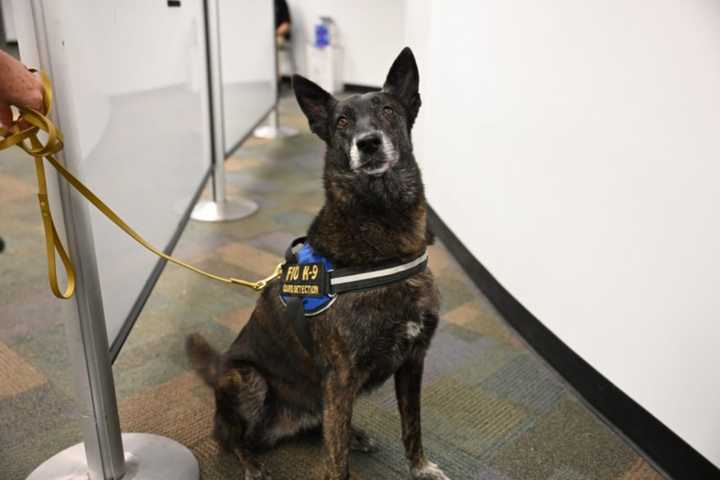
361, 441
256, 474
428, 471
328, 476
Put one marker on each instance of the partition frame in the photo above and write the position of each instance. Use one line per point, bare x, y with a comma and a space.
86, 332
210, 173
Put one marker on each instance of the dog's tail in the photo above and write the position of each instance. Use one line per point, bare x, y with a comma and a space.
203, 358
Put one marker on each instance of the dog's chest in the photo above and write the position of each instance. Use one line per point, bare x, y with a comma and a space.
391, 350
383, 327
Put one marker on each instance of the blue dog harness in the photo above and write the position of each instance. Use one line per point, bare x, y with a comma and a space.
310, 284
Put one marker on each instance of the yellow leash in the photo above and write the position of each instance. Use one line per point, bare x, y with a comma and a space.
40, 122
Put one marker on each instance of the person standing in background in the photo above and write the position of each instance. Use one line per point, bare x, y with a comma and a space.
282, 21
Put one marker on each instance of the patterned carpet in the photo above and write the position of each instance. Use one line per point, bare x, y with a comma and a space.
491, 409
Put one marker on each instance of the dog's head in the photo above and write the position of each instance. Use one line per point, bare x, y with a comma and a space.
366, 135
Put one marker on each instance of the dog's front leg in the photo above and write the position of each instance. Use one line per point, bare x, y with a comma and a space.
408, 381
338, 397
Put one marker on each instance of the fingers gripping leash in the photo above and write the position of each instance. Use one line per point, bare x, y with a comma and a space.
27, 138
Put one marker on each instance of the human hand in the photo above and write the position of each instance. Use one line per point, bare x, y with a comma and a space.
19, 87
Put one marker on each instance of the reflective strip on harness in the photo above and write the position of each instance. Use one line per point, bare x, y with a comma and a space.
357, 281
312, 277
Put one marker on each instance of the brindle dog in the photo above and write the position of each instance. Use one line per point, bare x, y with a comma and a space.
267, 386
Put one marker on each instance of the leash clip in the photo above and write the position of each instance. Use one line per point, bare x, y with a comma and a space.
261, 284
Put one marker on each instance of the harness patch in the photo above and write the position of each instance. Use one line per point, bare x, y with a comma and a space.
305, 279
308, 277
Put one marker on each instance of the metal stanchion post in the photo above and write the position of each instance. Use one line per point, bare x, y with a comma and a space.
221, 208
101, 455
274, 130
105, 454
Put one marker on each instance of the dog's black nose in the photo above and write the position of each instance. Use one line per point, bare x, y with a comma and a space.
369, 143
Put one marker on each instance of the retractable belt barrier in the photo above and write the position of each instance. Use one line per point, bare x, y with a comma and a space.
24, 133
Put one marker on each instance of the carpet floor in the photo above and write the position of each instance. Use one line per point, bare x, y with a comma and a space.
491, 409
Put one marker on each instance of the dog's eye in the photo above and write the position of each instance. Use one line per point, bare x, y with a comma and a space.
388, 112
343, 122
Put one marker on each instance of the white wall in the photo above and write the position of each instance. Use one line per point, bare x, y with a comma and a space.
574, 148
372, 33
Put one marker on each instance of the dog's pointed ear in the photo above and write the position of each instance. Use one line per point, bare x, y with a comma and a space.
403, 81
316, 103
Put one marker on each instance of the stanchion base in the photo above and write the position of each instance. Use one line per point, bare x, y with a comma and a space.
230, 209
147, 457
271, 132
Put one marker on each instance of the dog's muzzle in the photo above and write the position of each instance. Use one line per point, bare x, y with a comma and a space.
372, 153
369, 143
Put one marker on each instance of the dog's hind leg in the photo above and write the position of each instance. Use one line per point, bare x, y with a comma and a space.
408, 380
240, 413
